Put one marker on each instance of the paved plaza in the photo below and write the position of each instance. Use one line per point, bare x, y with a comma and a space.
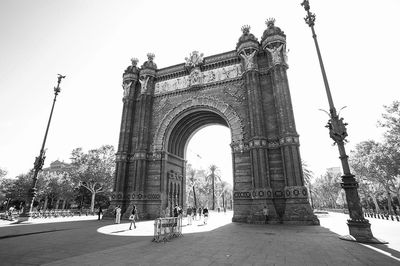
220, 242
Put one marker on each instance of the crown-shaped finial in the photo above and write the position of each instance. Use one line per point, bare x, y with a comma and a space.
150, 57
134, 61
245, 29
270, 22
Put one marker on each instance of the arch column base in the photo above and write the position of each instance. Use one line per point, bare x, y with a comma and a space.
249, 204
297, 207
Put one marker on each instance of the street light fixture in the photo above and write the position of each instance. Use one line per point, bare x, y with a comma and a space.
39, 161
359, 227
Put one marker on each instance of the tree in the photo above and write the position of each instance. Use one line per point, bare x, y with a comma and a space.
223, 189
191, 183
391, 122
3, 172
326, 190
386, 158
377, 164
307, 173
94, 170
213, 178
308, 176
21, 185
6, 190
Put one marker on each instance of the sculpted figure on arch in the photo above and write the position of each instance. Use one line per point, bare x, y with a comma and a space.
143, 84
275, 53
248, 59
126, 87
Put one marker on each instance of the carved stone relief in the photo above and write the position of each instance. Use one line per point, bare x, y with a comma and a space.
198, 78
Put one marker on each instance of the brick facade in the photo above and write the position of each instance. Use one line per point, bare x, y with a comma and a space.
246, 90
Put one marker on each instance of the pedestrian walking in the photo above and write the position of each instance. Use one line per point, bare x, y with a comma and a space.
176, 211
200, 212
189, 215
205, 213
194, 212
100, 213
265, 213
132, 217
118, 214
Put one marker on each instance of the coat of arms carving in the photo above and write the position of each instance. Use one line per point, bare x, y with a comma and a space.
195, 59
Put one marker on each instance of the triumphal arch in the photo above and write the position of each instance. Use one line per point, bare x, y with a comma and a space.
246, 90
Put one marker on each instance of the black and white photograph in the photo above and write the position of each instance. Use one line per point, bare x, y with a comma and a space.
258, 132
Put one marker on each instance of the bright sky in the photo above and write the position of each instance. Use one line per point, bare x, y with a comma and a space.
91, 42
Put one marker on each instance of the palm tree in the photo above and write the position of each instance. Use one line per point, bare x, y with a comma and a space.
192, 180
307, 173
225, 187
308, 176
213, 176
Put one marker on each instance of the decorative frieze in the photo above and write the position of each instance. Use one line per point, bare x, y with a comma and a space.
265, 193
121, 157
258, 143
296, 192
199, 78
289, 140
143, 196
242, 146
239, 146
273, 143
117, 196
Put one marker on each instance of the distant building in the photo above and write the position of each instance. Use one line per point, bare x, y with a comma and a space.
58, 167
335, 171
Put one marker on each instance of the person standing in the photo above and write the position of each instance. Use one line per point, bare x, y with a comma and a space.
118, 215
176, 211
265, 213
205, 213
194, 211
200, 211
100, 213
189, 215
132, 217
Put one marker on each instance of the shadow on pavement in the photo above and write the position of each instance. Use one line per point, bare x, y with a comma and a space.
33, 233
384, 249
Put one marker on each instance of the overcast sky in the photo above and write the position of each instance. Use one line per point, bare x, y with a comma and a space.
91, 42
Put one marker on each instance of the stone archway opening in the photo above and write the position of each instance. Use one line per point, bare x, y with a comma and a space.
209, 146
178, 138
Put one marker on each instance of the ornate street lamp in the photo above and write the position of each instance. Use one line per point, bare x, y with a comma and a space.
39, 161
359, 227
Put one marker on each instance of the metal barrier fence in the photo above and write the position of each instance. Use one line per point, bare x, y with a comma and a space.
41, 214
167, 228
383, 216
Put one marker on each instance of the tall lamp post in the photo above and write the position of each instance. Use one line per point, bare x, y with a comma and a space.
359, 227
39, 161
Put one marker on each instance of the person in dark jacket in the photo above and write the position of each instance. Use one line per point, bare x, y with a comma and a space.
100, 213
176, 211
132, 217
205, 213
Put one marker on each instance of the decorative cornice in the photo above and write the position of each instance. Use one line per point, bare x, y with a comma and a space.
228, 58
263, 193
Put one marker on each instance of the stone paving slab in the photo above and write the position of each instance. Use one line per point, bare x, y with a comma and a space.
234, 244
220, 242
